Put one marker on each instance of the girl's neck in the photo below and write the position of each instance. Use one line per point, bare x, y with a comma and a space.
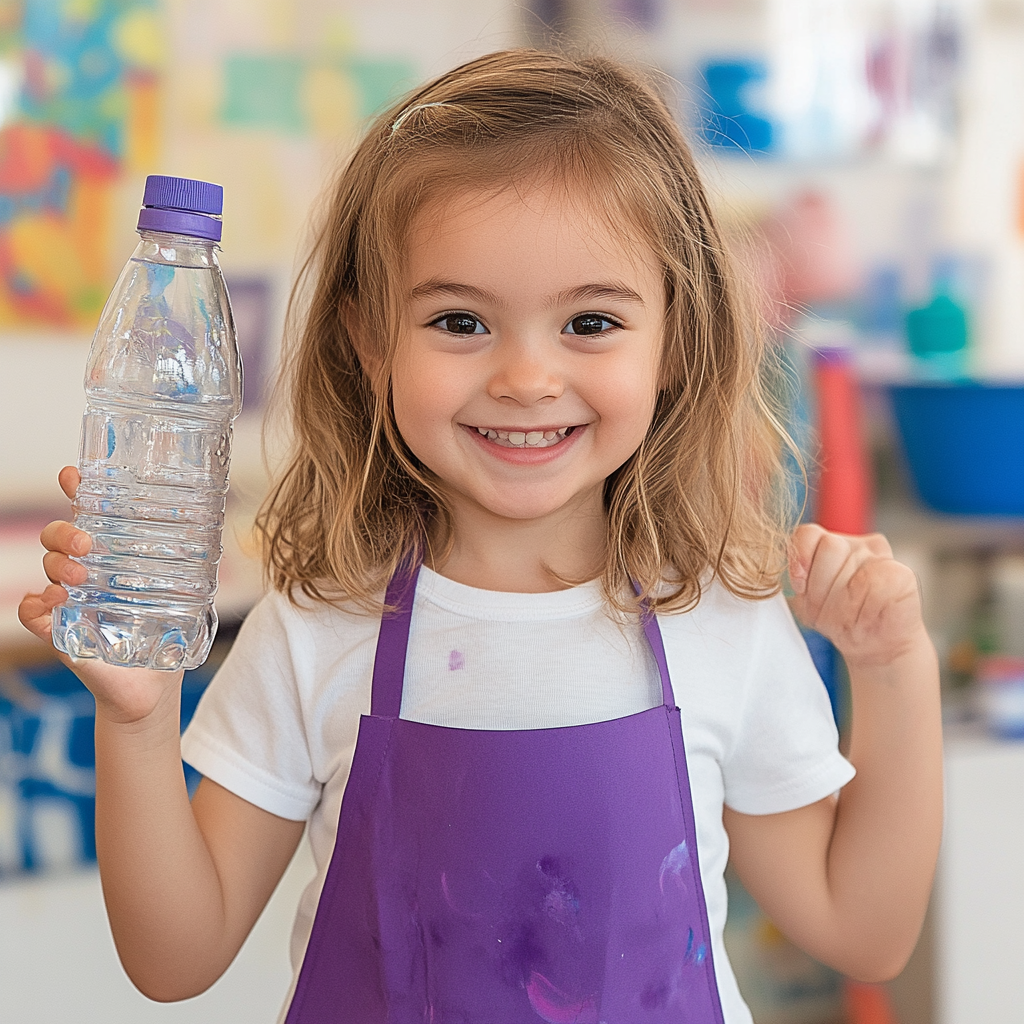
525, 556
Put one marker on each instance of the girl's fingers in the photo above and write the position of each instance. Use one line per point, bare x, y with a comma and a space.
843, 604
856, 594
883, 587
827, 562
69, 478
878, 545
830, 557
60, 569
34, 610
63, 537
802, 546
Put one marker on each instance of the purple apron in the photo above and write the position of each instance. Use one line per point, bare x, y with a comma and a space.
489, 877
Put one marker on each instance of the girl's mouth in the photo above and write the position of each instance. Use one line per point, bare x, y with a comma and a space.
525, 438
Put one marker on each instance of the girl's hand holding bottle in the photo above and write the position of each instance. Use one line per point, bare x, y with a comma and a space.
123, 696
192, 877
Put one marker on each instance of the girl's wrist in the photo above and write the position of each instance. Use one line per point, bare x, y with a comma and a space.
915, 658
164, 714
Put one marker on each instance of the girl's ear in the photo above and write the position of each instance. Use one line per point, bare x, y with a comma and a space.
368, 353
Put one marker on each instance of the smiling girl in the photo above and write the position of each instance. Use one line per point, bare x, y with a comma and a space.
525, 672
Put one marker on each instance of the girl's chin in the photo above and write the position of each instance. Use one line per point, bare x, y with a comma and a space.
523, 508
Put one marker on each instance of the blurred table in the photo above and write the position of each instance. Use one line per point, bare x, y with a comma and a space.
979, 897
58, 963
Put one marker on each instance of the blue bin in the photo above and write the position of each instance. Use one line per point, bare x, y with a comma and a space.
964, 444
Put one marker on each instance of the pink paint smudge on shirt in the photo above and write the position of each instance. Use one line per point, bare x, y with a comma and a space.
456, 660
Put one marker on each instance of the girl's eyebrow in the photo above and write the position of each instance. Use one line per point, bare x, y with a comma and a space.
609, 290
438, 287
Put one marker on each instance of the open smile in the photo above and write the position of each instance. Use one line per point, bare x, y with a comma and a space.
525, 438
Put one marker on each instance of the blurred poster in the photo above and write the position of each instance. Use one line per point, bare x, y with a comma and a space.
265, 97
78, 109
829, 80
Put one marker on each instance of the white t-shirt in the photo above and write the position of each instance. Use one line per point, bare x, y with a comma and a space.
278, 724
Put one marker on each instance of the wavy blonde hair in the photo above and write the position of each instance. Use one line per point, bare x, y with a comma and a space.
702, 497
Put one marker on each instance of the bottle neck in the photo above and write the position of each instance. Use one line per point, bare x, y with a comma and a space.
176, 250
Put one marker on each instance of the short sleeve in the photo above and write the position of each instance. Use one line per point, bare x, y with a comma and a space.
785, 750
248, 733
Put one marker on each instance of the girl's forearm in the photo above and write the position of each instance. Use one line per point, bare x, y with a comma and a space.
888, 826
160, 883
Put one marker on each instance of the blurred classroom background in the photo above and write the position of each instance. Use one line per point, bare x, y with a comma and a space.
866, 158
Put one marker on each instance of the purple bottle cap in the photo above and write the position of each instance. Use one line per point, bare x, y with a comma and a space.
182, 206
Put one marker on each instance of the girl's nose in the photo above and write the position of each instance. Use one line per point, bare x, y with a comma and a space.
524, 376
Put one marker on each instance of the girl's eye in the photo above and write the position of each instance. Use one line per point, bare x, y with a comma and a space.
459, 323
589, 323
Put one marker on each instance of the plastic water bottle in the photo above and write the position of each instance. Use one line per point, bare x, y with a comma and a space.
163, 385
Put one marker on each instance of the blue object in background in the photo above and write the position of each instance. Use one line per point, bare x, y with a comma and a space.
798, 398
48, 766
47, 771
826, 661
728, 121
881, 311
964, 444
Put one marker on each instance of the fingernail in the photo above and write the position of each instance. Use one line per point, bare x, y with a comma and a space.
79, 545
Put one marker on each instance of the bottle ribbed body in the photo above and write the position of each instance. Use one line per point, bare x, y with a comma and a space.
163, 385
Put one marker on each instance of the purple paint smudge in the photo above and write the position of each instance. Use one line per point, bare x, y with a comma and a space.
561, 901
556, 1007
562, 905
663, 992
655, 995
456, 660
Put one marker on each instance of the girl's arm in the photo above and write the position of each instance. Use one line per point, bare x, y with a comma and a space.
848, 878
183, 883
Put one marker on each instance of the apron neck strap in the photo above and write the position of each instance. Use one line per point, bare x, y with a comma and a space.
393, 643
653, 633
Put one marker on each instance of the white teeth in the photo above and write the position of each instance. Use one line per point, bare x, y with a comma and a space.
525, 439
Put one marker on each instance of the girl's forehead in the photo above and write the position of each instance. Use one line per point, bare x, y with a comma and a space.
542, 212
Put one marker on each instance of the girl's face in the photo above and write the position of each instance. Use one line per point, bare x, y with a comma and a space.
528, 369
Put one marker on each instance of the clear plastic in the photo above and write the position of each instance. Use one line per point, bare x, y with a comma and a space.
163, 385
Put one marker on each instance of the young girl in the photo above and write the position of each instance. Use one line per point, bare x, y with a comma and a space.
531, 425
